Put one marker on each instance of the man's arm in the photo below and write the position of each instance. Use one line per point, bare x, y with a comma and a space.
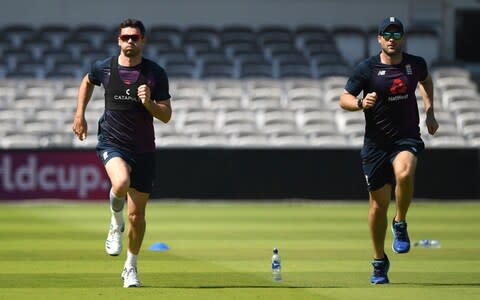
161, 110
85, 92
426, 90
352, 103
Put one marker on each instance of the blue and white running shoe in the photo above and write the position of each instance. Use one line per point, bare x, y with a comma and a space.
401, 241
380, 271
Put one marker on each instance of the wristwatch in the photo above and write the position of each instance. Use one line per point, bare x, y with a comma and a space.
360, 103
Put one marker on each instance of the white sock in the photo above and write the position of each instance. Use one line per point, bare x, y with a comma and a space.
117, 216
117, 219
131, 260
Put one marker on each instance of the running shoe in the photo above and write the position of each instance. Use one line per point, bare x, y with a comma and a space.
113, 244
130, 277
401, 241
380, 271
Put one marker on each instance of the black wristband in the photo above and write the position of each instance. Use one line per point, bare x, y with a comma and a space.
360, 103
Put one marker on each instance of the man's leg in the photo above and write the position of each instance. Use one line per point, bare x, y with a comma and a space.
137, 202
404, 166
118, 172
377, 218
377, 221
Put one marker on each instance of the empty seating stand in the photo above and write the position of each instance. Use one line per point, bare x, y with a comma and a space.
231, 86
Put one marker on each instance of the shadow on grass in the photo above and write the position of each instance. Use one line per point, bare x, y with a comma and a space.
244, 287
458, 284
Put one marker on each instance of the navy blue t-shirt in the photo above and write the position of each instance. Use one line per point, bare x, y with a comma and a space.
131, 130
395, 113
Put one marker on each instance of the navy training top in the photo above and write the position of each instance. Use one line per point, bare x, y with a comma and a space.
125, 123
395, 113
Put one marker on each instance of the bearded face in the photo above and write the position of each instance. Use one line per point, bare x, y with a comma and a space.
131, 41
391, 41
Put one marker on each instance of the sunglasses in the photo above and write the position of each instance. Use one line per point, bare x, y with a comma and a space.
133, 37
392, 35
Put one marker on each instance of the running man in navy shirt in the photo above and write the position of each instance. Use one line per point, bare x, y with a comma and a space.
136, 92
392, 135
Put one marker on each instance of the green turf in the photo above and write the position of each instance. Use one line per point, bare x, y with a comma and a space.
223, 251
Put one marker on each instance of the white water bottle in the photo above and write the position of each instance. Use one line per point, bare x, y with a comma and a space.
276, 266
427, 244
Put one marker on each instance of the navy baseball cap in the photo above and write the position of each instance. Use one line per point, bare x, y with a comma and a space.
390, 21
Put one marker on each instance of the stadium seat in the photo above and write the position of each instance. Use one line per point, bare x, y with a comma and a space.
373, 47
249, 70
307, 33
273, 33
36, 68
328, 141
202, 32
55, 33
249, 139
77, 46
467, 120
89, 56
218, 70
154, 48
36, 45
351, 42
59, 140
52, 56
174, 139
20, 141
236, 115
233, 48
17, 33
210, 140
300, 99
451, 70
94, 32
288, 139
236, 33
171, 32
277, 117
291, 69
447, 142
318, 126
181, 69
349, 123
14, 56
449, 97
223, 102
233, 126
424, 42
332, 98
271, 48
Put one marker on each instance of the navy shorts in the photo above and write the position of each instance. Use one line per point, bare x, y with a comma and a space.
377, 160
142, 165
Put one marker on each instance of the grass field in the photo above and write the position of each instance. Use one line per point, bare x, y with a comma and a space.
223, 251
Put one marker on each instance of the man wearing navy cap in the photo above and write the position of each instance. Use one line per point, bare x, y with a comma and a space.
392, 139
